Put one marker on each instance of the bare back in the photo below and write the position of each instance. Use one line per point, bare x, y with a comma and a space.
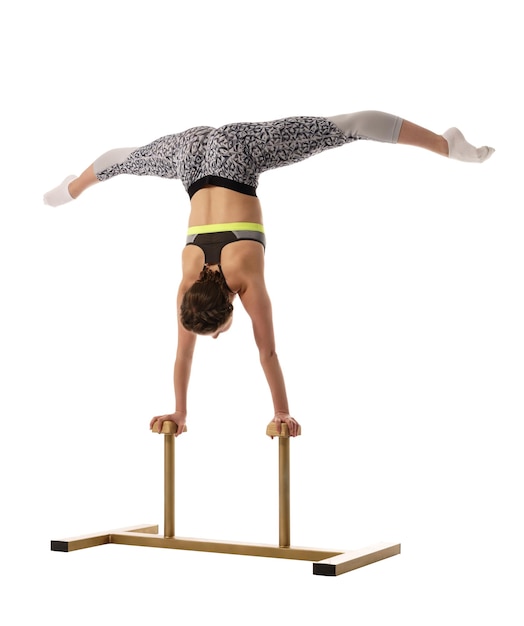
217, 205
241, 260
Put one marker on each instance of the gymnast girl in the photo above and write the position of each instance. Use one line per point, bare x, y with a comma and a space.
219, 168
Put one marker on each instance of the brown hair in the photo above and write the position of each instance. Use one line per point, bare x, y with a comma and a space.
205, 305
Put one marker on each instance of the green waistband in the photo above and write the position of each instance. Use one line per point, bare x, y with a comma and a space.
221, 228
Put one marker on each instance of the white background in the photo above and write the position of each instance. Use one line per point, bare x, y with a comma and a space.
396, 281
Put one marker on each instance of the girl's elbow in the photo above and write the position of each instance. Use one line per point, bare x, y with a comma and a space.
268, 355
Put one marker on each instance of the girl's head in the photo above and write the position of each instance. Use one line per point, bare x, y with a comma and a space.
206, 307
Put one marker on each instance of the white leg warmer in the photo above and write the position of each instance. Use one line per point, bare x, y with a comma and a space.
373, 125
118, 155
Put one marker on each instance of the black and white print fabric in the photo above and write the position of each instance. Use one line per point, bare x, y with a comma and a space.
238, 152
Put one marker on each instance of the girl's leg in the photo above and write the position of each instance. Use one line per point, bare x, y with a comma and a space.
86, 179
451, 144
413, 135
389, 128
73, 186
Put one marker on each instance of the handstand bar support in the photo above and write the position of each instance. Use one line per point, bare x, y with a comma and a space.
325, 562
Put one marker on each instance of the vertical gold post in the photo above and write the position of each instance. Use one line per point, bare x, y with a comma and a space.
169, 430
169, 485
283, 493
284, 524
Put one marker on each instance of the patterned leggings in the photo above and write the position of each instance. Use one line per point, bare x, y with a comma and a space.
236, 154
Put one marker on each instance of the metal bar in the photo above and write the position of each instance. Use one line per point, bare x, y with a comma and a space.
97, 539
348, 561
169, 485
224, 547
283, 493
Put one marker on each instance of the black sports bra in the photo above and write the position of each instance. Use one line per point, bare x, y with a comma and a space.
212, 238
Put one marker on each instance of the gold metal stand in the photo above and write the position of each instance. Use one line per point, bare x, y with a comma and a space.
325, 562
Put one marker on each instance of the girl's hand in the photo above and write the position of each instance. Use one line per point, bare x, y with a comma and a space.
292, 424
178, 417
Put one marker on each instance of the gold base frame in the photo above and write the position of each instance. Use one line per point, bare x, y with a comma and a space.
325, 562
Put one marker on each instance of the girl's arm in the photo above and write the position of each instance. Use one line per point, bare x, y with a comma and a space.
182, 372
258, 306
